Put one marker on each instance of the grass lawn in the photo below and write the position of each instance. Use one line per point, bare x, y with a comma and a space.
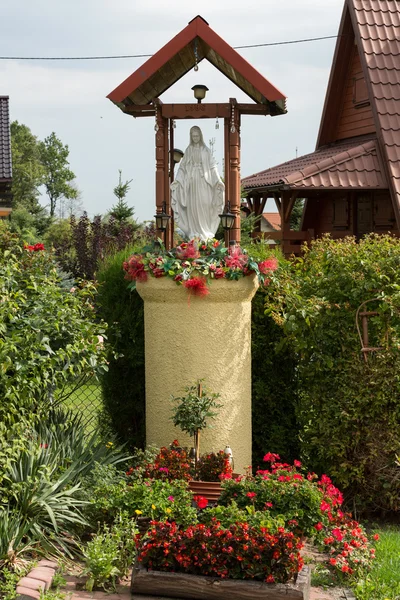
86, 401
383, 582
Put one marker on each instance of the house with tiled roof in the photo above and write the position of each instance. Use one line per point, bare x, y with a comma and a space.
5, 159
351, 183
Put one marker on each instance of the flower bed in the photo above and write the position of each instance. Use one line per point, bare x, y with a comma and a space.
238, 552
193, 263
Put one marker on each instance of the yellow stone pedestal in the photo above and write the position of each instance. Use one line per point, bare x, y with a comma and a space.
191, 338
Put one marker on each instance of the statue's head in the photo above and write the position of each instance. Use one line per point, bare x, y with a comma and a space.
196, 136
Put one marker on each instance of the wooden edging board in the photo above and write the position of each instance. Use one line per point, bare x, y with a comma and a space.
197, 587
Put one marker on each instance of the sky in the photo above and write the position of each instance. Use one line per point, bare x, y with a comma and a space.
69, 96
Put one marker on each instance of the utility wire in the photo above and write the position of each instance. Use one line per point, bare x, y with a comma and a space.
328, 37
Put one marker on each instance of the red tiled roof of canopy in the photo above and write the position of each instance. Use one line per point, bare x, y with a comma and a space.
178, 57
349, 164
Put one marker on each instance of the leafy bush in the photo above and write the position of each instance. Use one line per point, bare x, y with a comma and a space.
48, 334
348, 407
110, 553
109, 492
123, 384
239, 552
274, 387
231, 514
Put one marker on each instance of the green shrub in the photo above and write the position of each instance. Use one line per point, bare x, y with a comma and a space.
231, 514
48, 334
123, 384
274, 387
109, 492
348, 409
110, 553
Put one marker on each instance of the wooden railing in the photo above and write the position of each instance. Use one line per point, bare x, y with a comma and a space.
290, 241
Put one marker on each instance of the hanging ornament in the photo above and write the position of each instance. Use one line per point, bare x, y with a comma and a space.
156, 128
196, 58
217, 124
233, 128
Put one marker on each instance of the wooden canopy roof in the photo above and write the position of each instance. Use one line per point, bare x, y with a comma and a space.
194, 43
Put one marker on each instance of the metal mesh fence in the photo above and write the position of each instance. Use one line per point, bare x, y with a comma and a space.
84, 399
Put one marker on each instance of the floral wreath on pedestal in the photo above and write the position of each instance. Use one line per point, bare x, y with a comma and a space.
193, 263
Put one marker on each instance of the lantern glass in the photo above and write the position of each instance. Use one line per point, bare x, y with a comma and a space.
162, 220
227, 218
199, 92
178, 155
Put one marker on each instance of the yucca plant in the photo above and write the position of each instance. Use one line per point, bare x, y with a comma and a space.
63, 434
16, 540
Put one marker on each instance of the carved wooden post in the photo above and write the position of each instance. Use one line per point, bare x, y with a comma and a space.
162, 183
227, 164
234, 168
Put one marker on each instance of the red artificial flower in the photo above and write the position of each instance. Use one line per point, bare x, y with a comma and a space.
376, 536
236, 258
318, 526
186, 251
251, 494
134, 269
197, 286
297, 463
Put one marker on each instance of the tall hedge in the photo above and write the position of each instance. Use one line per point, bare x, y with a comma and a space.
274, 388
349, 407
124, 383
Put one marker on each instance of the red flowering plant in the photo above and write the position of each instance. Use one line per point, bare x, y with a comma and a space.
192, 264
239, 551
169, 464
213, 466
310, 507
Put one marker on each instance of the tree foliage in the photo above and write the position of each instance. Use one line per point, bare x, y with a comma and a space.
121, 211
349, 408
57, 174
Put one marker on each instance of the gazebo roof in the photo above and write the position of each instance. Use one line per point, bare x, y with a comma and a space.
194, 43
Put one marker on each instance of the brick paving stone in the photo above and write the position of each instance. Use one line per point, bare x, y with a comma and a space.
32, 583
44, 574
25, 593
51, 564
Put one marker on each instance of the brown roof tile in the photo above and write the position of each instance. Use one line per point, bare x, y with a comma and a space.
377, 29
273, 219
5, 139
327, 167
276, 175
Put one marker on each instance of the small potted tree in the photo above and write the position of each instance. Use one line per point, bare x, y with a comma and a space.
192, 413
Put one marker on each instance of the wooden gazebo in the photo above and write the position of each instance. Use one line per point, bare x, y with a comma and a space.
139, 96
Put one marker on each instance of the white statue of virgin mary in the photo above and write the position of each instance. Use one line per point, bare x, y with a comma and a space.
197, 194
